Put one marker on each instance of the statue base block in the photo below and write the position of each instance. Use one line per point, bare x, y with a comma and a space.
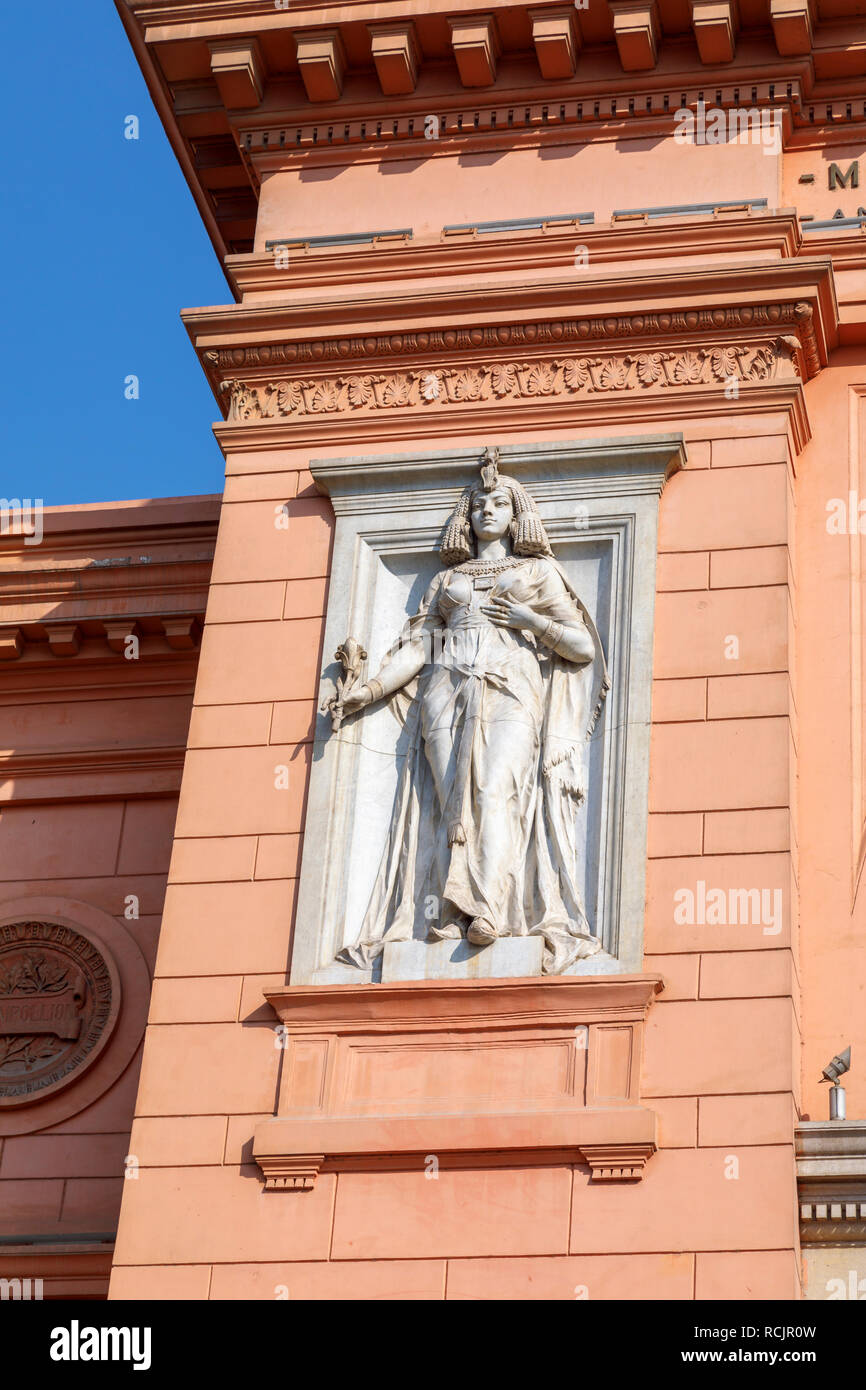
520, 1072
513, 957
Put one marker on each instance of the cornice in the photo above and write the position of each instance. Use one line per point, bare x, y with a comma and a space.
676, 62
684, 297
825, 1147
266, 108
615, 1143
70, 1266
68, 763
61, 637
552, 247
304, 137
65, 683
628, 466
463, 1004
161, 97
285, 134
480, 349
103, 774
145, 564
93, 546
847, 249
236, 16
831, 1181
30, 595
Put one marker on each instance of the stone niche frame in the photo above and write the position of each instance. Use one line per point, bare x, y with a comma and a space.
599, 499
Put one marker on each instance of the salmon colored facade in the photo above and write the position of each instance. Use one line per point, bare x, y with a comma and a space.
635, 1133
93, 754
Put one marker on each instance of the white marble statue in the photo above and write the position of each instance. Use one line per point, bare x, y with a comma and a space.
500, 676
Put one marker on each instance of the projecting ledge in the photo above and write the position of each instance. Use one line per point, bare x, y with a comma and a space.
615, 1143
476, 1072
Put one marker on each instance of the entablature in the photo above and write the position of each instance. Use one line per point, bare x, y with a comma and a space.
79, 581
459, 348
243, 84
101, 614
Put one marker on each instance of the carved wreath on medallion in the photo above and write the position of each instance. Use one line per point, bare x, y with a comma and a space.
58, 1003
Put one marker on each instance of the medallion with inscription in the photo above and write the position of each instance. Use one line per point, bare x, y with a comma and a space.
59, 1000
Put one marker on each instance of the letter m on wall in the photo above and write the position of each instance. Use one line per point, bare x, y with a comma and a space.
850, 179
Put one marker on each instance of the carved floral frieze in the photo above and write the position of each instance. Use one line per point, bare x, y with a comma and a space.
512, 380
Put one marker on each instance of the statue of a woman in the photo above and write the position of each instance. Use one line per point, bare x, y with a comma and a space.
506, 675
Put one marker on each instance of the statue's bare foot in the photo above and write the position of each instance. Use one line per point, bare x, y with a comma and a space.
449, 931
481, 933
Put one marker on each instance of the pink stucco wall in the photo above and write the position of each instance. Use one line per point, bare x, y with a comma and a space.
92, 761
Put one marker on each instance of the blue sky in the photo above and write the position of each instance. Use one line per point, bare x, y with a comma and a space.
103, 247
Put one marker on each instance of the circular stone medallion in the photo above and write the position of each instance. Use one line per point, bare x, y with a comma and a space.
59, 1001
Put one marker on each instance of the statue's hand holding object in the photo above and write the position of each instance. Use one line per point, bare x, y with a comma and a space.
351, 694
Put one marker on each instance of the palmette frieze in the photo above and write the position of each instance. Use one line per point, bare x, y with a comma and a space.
438, 386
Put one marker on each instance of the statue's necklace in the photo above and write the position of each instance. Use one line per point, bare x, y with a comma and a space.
483, 572
482, 567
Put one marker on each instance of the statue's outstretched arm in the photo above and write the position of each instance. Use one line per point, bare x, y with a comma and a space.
406, 659
398, 669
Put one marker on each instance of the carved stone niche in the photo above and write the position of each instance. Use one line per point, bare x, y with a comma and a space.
477, 1073
598, 500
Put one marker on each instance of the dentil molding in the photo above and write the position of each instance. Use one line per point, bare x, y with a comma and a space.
831, 1182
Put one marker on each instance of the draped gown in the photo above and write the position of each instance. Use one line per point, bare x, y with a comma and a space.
484, 815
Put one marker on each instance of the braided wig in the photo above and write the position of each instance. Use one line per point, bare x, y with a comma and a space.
528, 536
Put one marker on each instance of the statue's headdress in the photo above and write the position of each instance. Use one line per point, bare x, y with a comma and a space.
528, 536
